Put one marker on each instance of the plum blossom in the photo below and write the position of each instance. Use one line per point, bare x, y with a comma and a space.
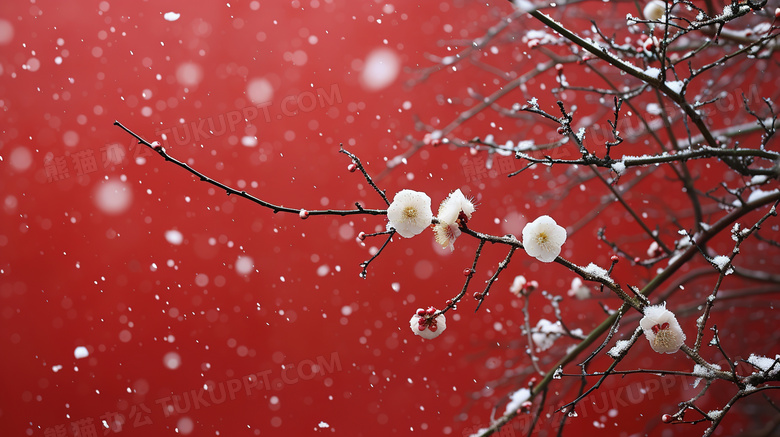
654, 10
451, 207
432, 138
662, 329
545, 334
579, 290
456, 206
410, 213
424, 324
520, 286
543, 238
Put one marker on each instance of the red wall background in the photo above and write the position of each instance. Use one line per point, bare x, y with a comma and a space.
84, 258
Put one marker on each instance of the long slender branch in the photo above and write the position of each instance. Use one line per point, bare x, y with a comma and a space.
229, 190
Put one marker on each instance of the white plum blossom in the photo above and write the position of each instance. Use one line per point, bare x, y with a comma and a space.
579, 290
662, 329
520, 286
545, 334
424, 324
410, 213
454, 207
654, 250
543, 238
654, 10
451, 207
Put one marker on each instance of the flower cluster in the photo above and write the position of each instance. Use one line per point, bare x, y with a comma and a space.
410, 213
662, 329
427, 324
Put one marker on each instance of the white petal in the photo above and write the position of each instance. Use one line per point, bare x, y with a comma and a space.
446, 235
451, 207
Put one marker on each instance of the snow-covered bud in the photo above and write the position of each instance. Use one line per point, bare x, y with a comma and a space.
652, 249
303, 214
427, 326
518, 285
352, 167
433, 139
